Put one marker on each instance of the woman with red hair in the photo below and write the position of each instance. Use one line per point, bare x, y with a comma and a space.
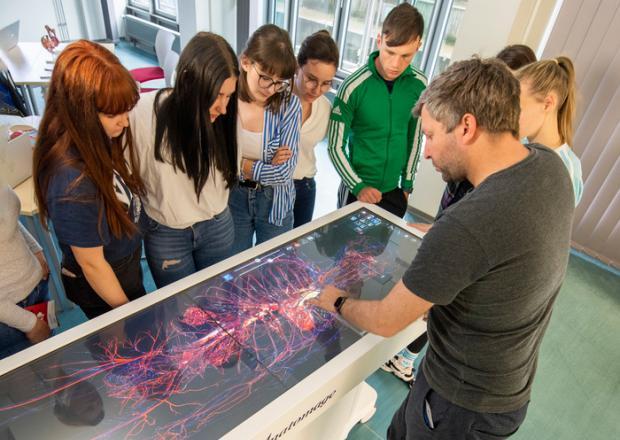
86, 178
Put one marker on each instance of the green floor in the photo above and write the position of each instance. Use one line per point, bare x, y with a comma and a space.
576, 394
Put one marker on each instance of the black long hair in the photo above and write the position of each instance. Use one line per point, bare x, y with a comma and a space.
184, 134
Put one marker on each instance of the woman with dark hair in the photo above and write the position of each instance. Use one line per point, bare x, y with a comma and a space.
86, 177
186, 139
516, 56
317, 61
268, 137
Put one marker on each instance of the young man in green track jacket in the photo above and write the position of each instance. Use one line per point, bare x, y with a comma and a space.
373, 139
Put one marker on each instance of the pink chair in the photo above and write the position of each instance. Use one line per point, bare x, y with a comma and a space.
163, 45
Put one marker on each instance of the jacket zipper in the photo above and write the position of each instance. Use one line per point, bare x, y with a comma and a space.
387, 145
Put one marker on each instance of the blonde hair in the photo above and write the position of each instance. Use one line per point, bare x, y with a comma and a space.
555, 75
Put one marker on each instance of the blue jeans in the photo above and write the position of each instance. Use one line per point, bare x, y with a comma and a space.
13, 340
173, 254
250, 209
305, 195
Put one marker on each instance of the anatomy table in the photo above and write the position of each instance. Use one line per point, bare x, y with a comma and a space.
232, 351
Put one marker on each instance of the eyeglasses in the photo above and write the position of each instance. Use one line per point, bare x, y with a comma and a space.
267, 82
313, 83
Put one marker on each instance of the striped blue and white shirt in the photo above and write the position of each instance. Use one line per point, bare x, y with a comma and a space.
573, 165
280, 129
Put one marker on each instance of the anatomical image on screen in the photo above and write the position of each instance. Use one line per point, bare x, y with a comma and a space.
199, 363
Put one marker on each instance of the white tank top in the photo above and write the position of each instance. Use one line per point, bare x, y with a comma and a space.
250, 143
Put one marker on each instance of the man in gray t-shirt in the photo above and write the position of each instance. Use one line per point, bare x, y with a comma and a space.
490, 268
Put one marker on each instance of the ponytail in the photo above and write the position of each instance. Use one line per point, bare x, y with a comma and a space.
555, 75
566, 111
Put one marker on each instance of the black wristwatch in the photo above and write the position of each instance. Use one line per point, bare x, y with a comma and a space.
339, 303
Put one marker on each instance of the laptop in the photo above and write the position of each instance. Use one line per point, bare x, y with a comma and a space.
9, 36
15, 158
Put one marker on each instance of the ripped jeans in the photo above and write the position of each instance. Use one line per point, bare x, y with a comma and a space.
173, 254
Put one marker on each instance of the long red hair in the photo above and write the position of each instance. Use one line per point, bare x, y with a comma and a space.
88, 80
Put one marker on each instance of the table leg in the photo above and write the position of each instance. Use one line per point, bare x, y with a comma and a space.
33, 100
24, 92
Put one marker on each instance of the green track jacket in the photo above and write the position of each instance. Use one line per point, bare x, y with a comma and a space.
373, 140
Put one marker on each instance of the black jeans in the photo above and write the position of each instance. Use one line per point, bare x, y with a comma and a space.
393, 201
450, 421
129, 274
305, 196
418, 344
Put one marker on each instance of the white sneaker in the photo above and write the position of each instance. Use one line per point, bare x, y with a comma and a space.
401, 366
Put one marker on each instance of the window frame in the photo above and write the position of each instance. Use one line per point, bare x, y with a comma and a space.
158, 11
154, 14
436, 30
135, 4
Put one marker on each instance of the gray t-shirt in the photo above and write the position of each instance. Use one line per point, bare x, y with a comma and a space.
493, 265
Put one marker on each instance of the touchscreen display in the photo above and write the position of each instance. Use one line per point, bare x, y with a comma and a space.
199, 363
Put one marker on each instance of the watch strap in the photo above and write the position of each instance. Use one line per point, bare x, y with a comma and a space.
339, 303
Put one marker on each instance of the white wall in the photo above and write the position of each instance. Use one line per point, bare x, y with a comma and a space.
258, 14
74, 17
217, 16
32, 25
94, 20
35, 14
224, 20
118, 9
487, 26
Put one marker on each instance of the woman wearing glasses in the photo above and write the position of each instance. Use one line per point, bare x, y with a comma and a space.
318, 60
269, 119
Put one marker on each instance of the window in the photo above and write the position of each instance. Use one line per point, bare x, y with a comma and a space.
363, 25
166, 8
312, 16
278, 13
426, 8
142, 4
162, 12
355, 24
455, 16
